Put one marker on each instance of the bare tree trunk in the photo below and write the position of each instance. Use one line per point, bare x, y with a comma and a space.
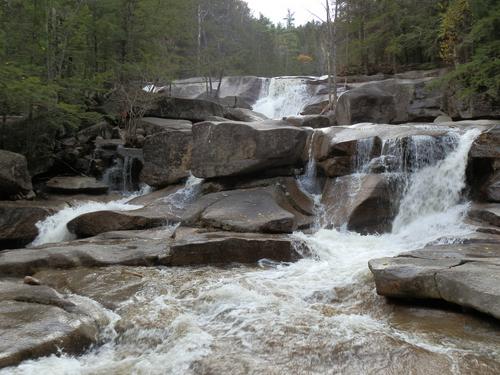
334, 60
329, 54
220, 83
198, 52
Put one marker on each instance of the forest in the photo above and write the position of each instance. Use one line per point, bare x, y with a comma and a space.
61, 59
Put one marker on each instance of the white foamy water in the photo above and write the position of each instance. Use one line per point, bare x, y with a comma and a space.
181, 198
319, 315
53, 229
285, 96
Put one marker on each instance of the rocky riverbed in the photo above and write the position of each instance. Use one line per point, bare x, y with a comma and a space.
261, 246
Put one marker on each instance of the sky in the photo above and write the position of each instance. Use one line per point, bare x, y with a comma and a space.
276, 9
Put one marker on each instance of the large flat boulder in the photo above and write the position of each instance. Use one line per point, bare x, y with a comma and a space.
14, 175
194, 110
167, 157
18, 221
466, 274
391, 101
195, 247
237, 148
37, 321
367, 203
279, 207
120, 249
76, 185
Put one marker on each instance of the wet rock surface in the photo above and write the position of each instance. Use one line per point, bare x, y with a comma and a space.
197, 247
37, 321
159, 210
367, 203
467, 275
125, 248
277, 206
18, 221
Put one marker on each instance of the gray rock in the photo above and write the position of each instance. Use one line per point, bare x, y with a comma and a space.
491, 188
487, 145
311, 121
14, 176
131, 250
488, 213
390, 101
467, 274
18, 219
37, 321
245, 115
167, 157
367, 203
158, 211
194, 247
76, 185
276, 208
238, 148
194, 110
154, 125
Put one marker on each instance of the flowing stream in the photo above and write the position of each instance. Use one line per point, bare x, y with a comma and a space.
319, 315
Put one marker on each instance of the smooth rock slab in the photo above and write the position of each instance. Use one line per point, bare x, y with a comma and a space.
280, 207
466, 274
76, 185
194, 247
223, 149
37, 321
474, 285
89, 253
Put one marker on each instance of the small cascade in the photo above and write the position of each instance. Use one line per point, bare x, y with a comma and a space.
122, 175
188, 194
308, 181
53, 229
285, 96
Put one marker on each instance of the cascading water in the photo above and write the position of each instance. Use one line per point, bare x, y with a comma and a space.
319, 315
53, 229
119, 176
284, 96
181, 198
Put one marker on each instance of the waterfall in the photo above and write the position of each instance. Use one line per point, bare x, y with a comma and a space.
318, 315
119, 176
308, 180
435, 189
285, 96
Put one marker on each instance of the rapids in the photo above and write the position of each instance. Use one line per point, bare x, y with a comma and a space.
320, 315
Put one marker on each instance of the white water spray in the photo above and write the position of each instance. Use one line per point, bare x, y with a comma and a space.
285, 96
318, 315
